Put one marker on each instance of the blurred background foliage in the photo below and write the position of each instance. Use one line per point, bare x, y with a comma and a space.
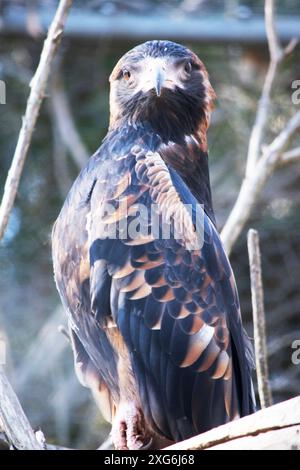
39, 357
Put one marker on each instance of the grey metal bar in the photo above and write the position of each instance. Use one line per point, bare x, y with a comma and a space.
88, 25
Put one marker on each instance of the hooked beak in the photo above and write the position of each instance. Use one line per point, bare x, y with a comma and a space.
158, 83
154, 76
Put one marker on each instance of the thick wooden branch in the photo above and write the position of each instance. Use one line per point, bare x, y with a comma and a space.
276, 439
13, 420
36, 96
257, 295
283, 416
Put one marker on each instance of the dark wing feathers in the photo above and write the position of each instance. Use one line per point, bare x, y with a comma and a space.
177, 309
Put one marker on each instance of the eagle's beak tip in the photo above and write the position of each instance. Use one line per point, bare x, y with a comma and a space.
158, 85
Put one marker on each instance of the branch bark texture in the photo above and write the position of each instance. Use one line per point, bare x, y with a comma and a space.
36, 96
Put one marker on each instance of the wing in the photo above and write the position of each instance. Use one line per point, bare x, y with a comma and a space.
94, 356
173, 298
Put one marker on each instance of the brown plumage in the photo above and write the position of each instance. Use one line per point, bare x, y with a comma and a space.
154, 319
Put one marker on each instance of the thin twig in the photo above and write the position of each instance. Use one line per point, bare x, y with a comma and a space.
36, 96
258, 309
62, 329
65, 123
277, 344
290, 156
41, 355
60, 157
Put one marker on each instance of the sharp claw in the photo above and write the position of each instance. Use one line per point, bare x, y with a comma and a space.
125, 430
147, 445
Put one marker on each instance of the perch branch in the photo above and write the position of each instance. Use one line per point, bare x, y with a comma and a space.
277, 417
13, 420
37, 92
275, 439
257, 295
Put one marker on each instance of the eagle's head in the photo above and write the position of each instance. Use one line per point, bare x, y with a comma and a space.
164, 85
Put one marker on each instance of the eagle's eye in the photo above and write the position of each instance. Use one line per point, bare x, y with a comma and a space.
188, 66
126, 74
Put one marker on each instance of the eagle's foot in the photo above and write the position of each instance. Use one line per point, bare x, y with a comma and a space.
129, 430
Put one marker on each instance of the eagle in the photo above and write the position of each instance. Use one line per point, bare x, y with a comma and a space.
150, 296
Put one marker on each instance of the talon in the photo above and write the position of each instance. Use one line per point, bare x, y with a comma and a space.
147, 445
128, 429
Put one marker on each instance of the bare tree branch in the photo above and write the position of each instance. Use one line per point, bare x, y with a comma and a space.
277, 344
41, 355
62, 329
60, 157
13, 420
274, 439
36, 96
12, 417
256, 157
65, 123
276, 52
280, 416
276, 56
258, 310
252, 185
290, 156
